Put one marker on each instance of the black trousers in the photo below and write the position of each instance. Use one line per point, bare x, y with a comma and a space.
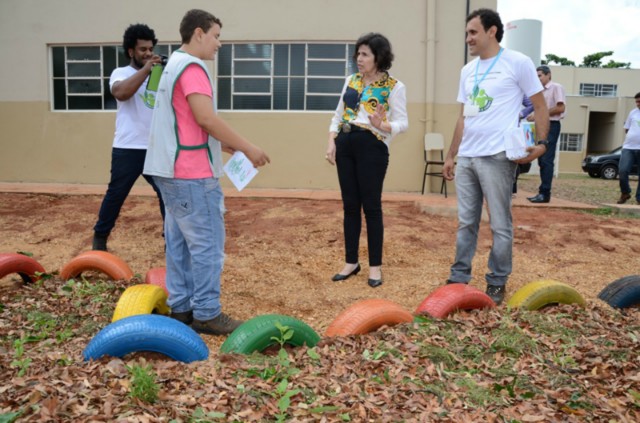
362, 162
126, 167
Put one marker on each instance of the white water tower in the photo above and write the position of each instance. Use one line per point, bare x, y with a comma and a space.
525, 36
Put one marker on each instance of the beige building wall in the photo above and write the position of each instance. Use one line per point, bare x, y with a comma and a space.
41, 145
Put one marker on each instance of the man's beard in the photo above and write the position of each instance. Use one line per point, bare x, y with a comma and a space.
137, 64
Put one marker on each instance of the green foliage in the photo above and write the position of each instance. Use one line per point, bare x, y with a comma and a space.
19, 361
286, 333
200, 416
562, 61
593, 60
9, 417
143, 384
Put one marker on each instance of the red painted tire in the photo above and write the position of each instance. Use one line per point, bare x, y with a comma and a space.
101, 261
157, 276
23, 265
456, 296
366, 316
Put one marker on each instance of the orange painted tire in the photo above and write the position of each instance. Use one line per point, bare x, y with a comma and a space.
366, 316
157, 276
449, 298
100, 261
23, 265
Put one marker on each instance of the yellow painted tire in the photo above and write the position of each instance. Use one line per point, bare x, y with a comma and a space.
538, 294
141, 299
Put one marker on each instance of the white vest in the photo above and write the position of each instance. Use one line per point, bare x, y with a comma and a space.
164, 143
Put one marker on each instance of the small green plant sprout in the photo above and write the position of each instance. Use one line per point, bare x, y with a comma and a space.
284, 401
286, 333
19, 361
143, 383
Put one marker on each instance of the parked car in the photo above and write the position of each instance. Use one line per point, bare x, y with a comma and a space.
605, 165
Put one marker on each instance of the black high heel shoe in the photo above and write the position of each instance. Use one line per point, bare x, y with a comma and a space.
374, 283
339, 277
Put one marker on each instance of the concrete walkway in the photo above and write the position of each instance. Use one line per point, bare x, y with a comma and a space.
428, 203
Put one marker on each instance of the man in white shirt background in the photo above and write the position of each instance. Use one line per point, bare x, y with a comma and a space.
630, 153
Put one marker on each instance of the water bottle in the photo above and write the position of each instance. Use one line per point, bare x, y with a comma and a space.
154, 78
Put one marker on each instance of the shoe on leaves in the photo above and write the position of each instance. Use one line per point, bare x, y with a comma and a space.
496, 293
220, 325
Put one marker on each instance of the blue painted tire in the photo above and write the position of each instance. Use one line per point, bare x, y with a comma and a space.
148, 332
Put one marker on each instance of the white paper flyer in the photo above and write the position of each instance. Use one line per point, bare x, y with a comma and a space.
240, 170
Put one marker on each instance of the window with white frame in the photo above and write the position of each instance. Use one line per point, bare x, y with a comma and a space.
282, 76
80, 75
570, 142
598, 90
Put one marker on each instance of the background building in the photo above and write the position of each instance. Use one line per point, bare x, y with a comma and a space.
280, 72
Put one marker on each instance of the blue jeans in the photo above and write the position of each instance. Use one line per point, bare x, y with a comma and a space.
126, 167
547, 160
477, 179
194, 235
627, 159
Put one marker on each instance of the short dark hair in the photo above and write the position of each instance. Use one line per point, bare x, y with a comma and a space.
544, 69
137, 32
637, 96
489, 18
196, 18
380, 47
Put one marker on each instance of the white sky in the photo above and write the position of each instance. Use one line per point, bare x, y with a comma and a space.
576, 28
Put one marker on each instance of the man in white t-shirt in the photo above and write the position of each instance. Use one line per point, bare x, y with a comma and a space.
133, 118
630, 153
491, 90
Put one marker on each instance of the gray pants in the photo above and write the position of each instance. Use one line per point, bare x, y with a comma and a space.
477, 179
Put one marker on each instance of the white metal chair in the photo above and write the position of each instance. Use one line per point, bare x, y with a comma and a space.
434, 142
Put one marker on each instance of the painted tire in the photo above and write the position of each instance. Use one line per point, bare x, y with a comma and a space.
622, 293
148, 332
101, 261
538, 294
255, 334
450, 298
157, 276
141, 299
367, 316
23, 265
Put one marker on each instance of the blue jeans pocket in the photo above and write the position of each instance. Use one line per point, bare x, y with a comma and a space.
179, 200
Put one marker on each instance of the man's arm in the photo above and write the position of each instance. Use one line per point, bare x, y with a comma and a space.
557, 109
125, 89
541, 118
208, 120
449, 164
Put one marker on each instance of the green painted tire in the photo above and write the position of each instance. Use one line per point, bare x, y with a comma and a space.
538, 294
255, 334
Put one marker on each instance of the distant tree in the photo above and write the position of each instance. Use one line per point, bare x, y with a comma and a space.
562, 61
614, 64
595, 61
589, 61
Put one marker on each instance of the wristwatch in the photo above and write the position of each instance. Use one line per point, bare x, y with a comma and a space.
543, 142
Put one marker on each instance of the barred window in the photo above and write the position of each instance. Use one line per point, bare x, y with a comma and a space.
570, 142
80, 75
598, 90
272, 76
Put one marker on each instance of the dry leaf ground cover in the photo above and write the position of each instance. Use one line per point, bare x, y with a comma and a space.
559, 364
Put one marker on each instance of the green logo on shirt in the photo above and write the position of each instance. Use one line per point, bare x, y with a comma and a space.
482, 100
149, 99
